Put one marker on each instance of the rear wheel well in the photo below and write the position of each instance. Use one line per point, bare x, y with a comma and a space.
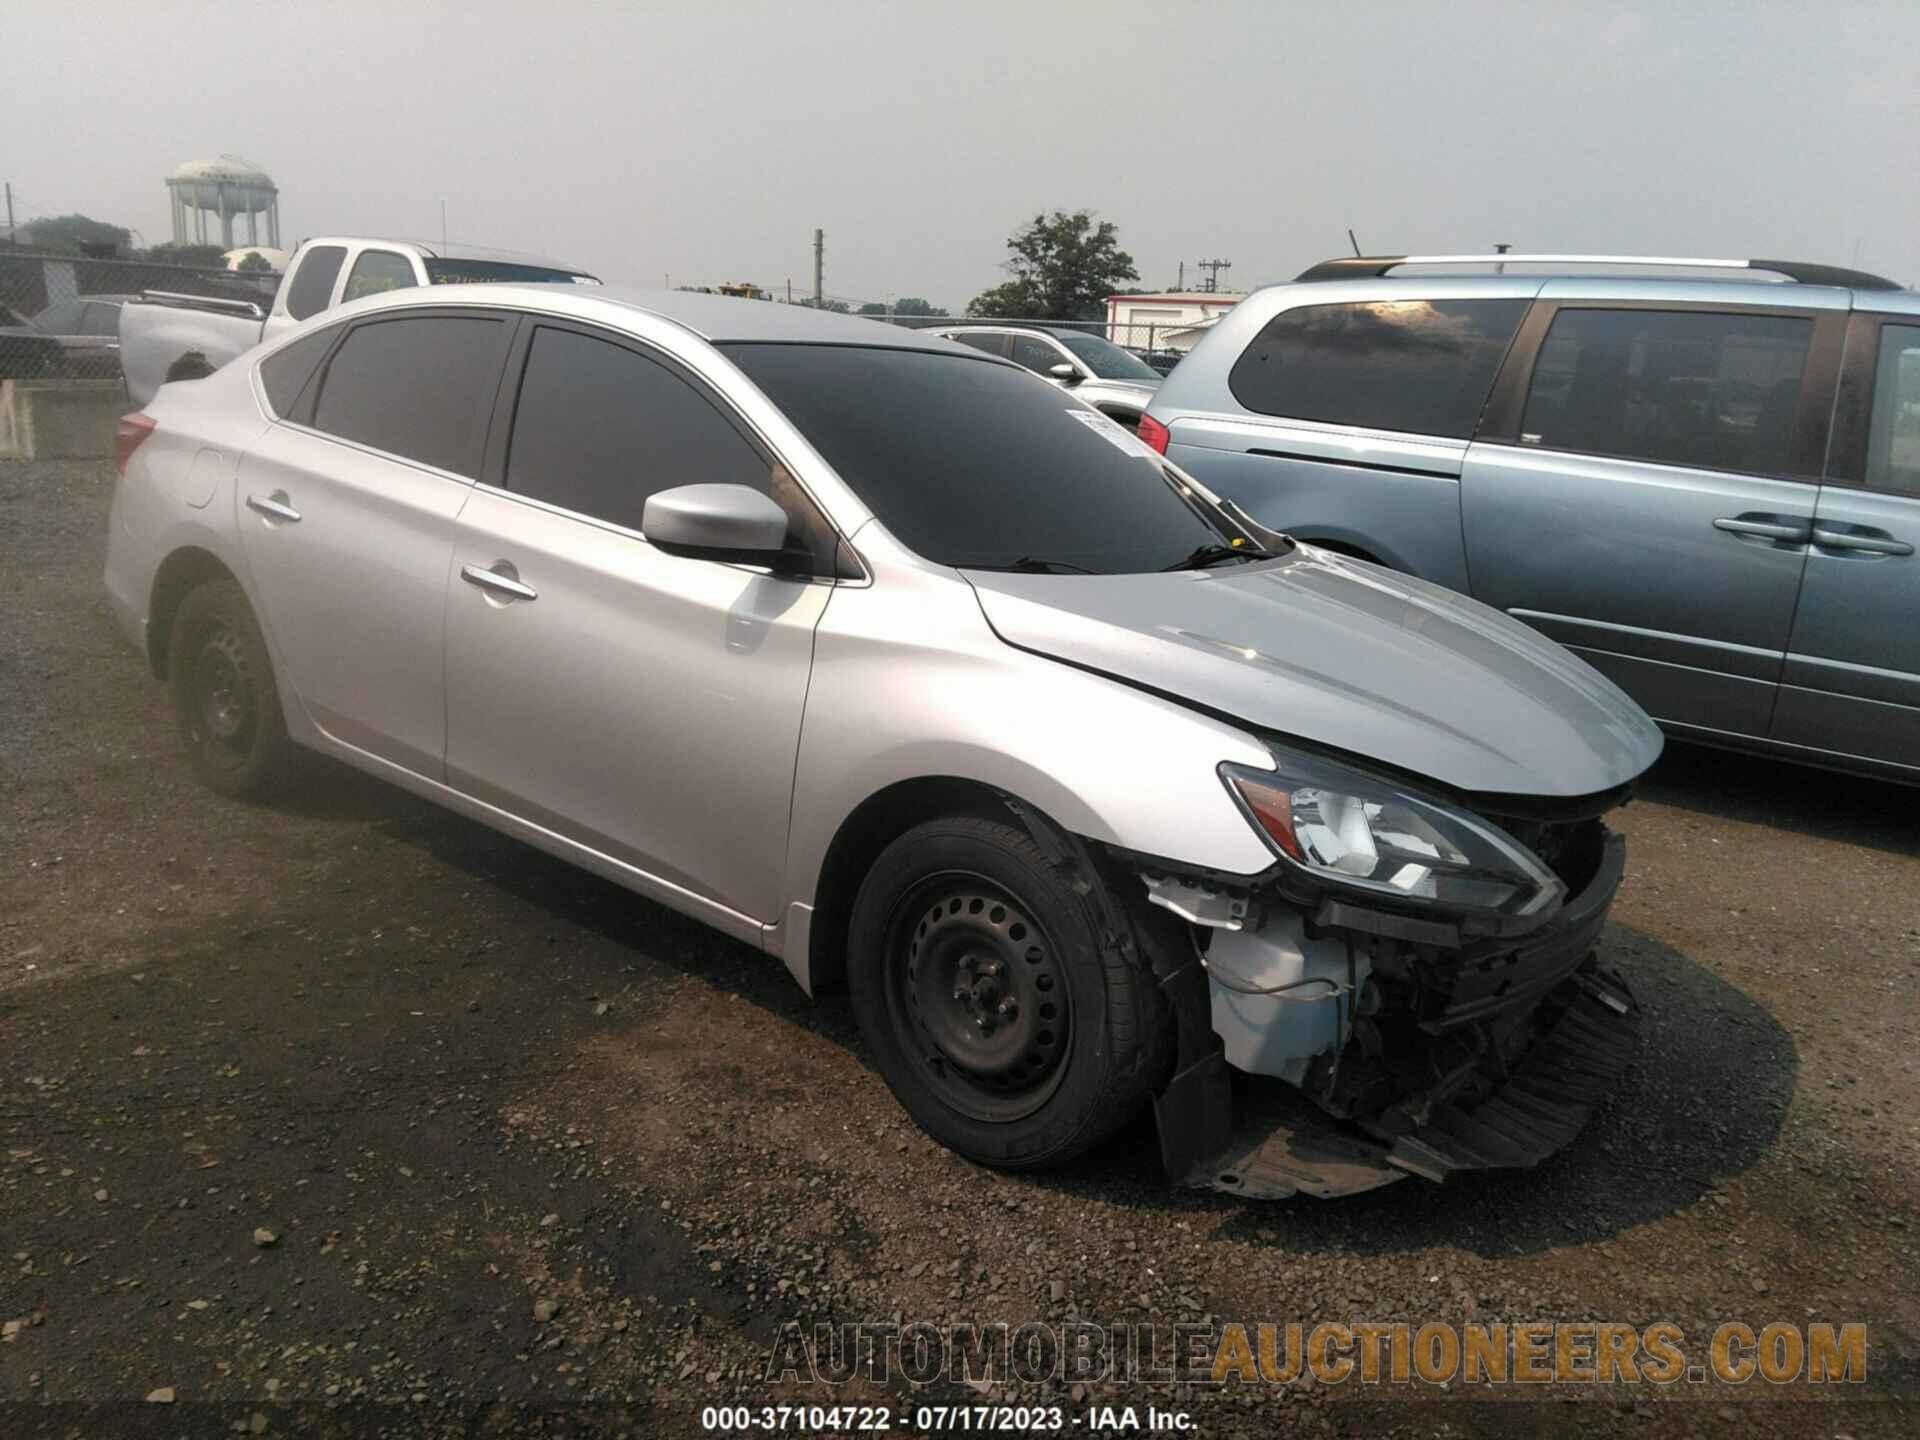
180, 574
876, 823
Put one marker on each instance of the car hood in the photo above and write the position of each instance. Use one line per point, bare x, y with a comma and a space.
1349, 655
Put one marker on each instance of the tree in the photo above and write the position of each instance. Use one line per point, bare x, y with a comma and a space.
914, 305
69, 234
872, 307
254, 263
1064, 266
837, 307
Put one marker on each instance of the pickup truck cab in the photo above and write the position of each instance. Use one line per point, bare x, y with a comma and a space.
166, 336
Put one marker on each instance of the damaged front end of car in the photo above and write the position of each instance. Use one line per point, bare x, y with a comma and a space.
1420, 971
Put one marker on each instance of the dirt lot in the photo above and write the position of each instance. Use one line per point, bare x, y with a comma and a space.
351, 1115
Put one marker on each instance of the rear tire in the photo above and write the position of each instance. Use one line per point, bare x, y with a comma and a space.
999, 1003
224, 698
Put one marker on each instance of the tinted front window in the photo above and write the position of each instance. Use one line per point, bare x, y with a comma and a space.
285, 372
313, 280
1108, 360
1037, 355
979, 340
420, 388
599, 427
1893, 449
375, 273
1711, 391
1421, 366
970, 463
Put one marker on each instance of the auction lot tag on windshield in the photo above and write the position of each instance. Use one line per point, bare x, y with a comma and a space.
1115, 434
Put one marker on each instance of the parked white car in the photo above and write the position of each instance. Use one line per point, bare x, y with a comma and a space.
166, 336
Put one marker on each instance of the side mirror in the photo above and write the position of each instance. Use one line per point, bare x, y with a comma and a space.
1064, 373
715, 522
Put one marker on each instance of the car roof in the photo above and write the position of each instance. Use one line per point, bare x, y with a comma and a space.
444, 250
1038, 327
719, 319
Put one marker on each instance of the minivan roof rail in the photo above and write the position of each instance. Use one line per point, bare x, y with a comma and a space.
1357, 267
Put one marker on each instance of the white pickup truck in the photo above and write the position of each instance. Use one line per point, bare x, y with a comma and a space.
166, 336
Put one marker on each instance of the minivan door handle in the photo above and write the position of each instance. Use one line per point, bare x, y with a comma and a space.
500, 583
1873, 544
274, 506
1766, 527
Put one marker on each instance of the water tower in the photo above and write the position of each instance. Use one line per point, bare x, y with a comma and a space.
228, 187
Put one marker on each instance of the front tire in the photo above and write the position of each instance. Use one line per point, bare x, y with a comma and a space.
1004, 1007
224, 698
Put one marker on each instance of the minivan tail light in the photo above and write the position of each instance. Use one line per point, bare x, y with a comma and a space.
128, 435
1154, 433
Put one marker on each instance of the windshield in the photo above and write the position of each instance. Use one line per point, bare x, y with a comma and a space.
973, 463
1108, 360
500, 272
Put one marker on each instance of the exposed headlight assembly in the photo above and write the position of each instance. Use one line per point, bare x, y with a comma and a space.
1356, 832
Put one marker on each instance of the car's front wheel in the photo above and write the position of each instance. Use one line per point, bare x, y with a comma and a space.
1005, 1008
223, 692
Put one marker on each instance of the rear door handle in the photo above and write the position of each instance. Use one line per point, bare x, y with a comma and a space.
500, 584
274, 506
1873, 544
1792, 532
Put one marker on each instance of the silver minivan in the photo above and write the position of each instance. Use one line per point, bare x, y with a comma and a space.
1706, 483
1087, 788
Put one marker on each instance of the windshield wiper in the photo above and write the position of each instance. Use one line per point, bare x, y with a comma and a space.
1039, 565
1215, 553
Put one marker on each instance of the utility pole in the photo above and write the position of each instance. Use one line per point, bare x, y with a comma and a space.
443, 224
819, 257
1213, 269
9, 212
1501, 250
1182, 284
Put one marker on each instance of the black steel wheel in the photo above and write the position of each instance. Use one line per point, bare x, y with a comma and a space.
223, 692
977, 997
1001, 993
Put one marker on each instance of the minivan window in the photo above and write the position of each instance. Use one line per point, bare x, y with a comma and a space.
286, 371
1893, 448
993, 471
313, 278
599, 427
375, 273
1710, 390
1419, 366
419, 387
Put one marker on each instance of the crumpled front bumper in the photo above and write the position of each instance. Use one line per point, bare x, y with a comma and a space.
1495, 1057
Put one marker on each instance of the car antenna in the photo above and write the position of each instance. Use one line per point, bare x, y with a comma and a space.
1353, 242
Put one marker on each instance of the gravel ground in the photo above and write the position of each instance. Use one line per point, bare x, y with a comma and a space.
347, 1113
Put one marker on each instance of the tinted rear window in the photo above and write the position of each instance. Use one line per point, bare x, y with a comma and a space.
499, 272
1678, 387
313, 280
285, 372
974, 463
420, 388
1419, 366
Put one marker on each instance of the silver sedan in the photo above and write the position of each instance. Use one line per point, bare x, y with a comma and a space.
924, 677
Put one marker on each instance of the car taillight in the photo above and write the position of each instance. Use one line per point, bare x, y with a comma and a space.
127, 436
1154, 433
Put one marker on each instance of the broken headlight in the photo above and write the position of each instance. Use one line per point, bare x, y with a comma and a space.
1355, 831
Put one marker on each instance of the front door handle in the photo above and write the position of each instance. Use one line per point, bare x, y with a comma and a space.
1791, 532
496, 581
1873, 544
274, 506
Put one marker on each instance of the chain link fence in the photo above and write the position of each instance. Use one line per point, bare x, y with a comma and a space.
60, 314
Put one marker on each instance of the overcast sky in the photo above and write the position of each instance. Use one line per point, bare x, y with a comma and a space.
706, 140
